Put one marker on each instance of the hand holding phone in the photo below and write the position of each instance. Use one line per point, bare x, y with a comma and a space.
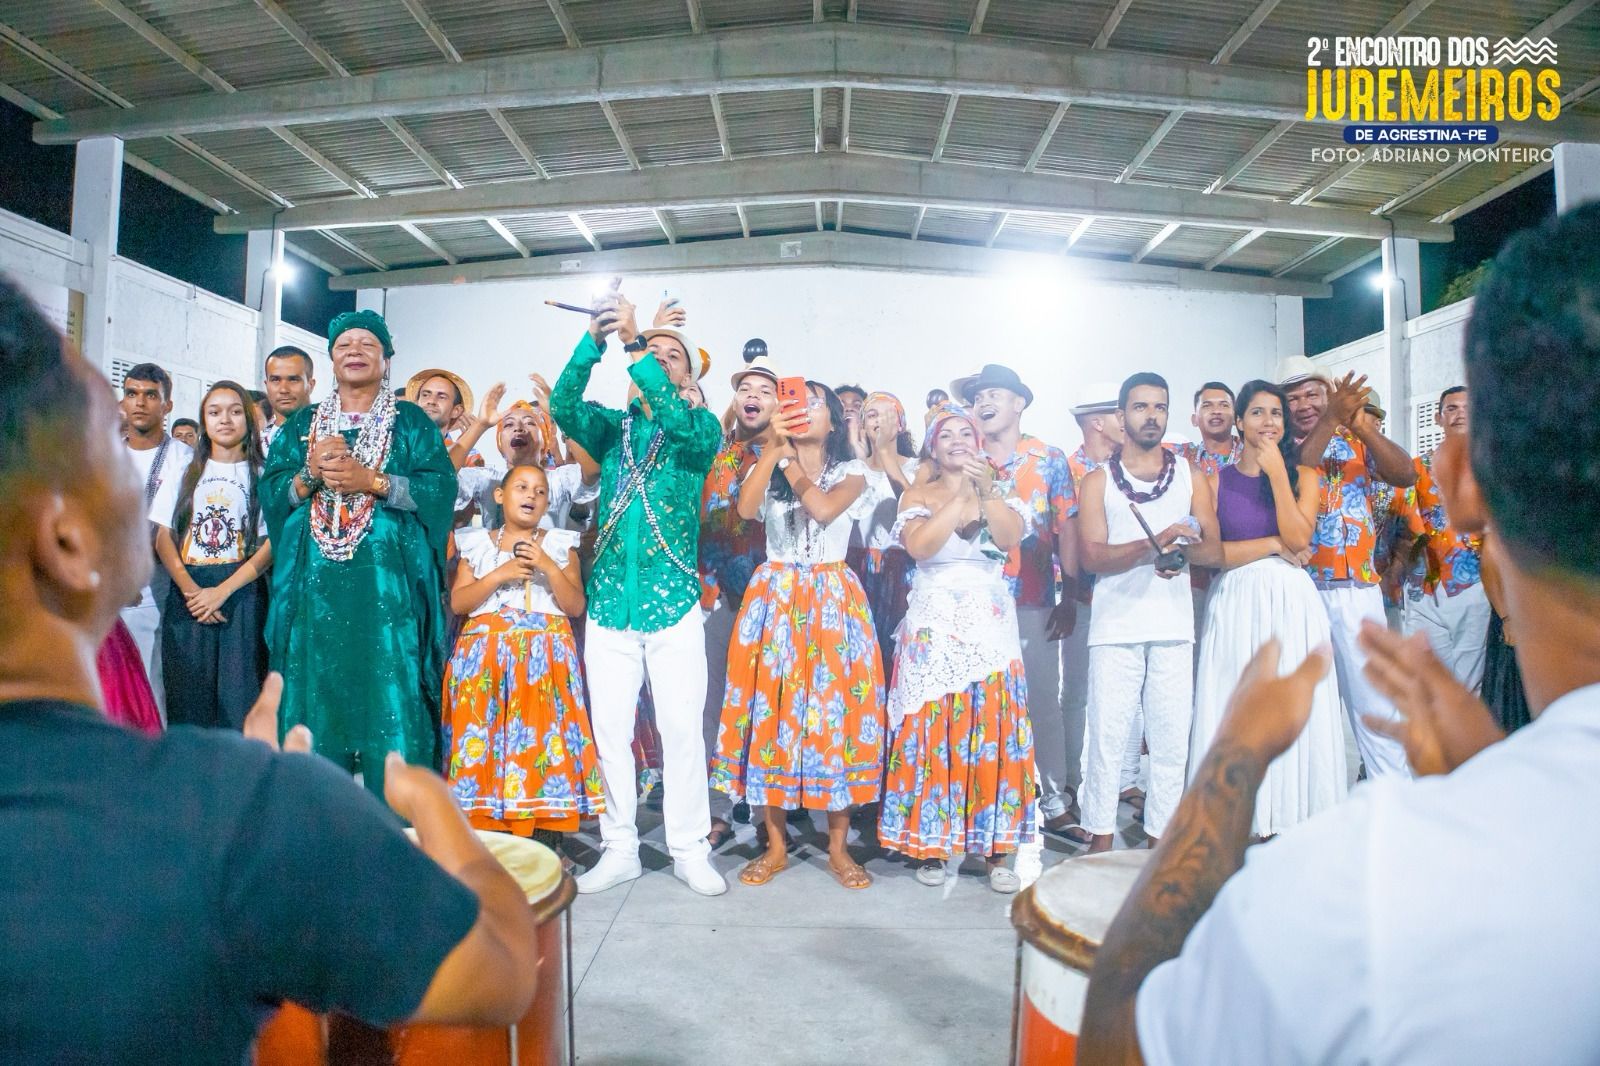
794, 398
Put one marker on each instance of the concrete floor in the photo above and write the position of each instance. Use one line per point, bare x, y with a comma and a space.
899, 973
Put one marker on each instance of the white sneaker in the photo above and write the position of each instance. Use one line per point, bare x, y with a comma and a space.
700, 875
613, 869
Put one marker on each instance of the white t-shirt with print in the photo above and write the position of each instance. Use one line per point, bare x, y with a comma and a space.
216, 531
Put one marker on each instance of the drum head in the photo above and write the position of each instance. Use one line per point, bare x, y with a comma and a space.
534, 866
1073, 904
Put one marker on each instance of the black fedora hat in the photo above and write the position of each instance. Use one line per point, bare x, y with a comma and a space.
992, 376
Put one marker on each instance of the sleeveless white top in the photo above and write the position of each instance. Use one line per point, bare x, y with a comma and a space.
962, 609
1136, 606
477, 550
878, 526
795, 538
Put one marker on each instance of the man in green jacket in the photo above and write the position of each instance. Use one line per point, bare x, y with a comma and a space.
644, 590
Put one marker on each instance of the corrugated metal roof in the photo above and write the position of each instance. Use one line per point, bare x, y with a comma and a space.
963, 226
951, 15
1271, 250
1098, 142
781, 218
1193, 245
624, 227
1199, 149
470, 146
1280, 41
769, 123
906, 123
235, 38
570, 138
673, 130
879, 218
327, 251
468, 239
1067, 21
997, 132
598, 21
371, 152
184, 166
273, 163
1290, 165
364, 35
547, 233
1115, 236
739, 14
391, 245
480, 28
1194, 29
699, 222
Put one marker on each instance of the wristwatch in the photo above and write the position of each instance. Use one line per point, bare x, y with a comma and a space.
638, 344
783, 464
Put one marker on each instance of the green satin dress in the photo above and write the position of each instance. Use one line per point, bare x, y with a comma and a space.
361, 644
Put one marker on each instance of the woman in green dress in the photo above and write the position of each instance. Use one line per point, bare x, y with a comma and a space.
357, 494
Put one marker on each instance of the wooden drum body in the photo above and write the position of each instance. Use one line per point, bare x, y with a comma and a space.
1060, 922
297, 1037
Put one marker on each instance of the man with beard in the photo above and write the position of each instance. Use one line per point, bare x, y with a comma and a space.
1453, 609
644, 589
1336, 429
1213, 417
1141, 636
1035, 473
159, 458
520, 439
289, 381
730, 547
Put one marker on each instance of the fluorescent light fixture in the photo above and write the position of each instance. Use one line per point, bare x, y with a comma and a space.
284, 273
1382, 280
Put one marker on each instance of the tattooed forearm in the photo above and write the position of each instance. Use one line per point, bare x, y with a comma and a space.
1202, 848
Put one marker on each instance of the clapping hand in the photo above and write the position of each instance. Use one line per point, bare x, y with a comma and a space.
1350, 394
489, 410
1267, 712
1441, 724
981, 475
262, 721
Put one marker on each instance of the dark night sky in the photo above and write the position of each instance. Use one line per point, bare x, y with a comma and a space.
161, 228
1356, 307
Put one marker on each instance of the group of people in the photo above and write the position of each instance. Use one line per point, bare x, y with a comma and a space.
890, 613
963, 644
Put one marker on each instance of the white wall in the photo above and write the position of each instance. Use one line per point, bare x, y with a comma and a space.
903, 333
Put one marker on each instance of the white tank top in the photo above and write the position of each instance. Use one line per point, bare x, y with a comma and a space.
1137, 606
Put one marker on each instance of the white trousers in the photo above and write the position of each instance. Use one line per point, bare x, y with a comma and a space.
1157, 677
616, 661
1075, 708
719, 631
1041, 664
144, 622
1347, 608
1457, 627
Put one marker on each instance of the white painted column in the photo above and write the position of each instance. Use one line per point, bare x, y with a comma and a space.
263, 289
1577, 169
96, 211
1402, 301
1290, 327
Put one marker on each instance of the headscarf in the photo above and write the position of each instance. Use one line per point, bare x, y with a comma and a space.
892, 399
368, 320
941, 413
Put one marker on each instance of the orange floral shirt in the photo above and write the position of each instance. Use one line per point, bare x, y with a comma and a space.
1345, 538
730, 547
1454, 559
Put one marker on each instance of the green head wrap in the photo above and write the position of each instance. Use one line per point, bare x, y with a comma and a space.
370, 321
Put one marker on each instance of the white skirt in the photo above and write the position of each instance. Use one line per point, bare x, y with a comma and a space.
1271, 598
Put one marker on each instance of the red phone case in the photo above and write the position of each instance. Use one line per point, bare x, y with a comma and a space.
792, 395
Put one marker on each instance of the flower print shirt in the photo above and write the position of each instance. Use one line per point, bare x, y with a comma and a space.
1454, 560
1039, 475
1209, 462
730, 547
1345, 539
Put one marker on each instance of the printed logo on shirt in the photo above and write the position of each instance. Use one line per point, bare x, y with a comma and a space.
215, 532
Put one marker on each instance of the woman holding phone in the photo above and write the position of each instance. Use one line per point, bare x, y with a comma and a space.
1266, 508
961, 777
802, 715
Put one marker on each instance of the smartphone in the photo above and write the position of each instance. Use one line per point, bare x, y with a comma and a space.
794, 396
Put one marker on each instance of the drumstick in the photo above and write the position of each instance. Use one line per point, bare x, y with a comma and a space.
1156, 544
573, 307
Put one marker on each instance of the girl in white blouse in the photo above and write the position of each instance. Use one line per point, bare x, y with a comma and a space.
802, 715
516, 722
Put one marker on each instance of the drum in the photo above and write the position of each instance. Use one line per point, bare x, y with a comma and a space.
1060, 922
297, 1037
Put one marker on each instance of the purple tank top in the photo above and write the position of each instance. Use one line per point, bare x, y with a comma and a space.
1243, 512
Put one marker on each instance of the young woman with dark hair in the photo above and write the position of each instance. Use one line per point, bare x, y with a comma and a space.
1266, 507
887, 451
213, 543
803, 713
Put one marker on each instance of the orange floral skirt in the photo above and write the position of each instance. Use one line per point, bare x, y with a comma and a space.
516, 725
960, 777
803, 721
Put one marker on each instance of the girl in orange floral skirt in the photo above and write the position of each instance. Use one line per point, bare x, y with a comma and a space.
961, 777
516, 726
802, 716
